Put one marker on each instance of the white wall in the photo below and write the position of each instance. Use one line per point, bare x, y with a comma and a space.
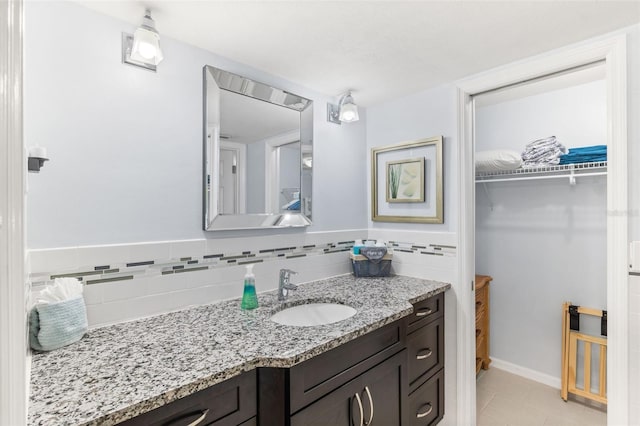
576, 115
126, 144
422, 115
543, 242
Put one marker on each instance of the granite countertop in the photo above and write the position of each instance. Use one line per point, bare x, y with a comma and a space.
117, 372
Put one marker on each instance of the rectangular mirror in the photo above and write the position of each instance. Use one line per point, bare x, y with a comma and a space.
258, 154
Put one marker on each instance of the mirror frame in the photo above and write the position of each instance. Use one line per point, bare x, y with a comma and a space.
213, 220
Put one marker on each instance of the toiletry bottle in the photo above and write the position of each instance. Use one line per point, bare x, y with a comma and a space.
356, 246
249, 297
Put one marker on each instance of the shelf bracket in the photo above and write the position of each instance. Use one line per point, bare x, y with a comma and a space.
486, 191
572, 176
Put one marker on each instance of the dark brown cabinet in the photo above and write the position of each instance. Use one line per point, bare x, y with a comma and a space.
425, 346
373, 398
391, 376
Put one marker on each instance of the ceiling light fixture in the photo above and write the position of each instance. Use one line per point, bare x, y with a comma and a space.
142, 48
345, 111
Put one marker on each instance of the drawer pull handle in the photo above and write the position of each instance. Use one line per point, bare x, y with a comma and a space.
366, 389
426, 353
423, 312
420, 415
199, 420
357, 398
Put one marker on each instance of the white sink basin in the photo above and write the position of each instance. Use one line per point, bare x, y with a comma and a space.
311, 314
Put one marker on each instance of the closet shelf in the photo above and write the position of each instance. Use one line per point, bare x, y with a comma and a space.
570, 171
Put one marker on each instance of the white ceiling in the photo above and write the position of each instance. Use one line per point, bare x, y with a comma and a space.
382, 50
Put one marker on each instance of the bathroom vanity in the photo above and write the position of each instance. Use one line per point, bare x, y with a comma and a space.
217, 365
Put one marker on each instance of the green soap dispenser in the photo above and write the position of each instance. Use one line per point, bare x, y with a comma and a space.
249, 297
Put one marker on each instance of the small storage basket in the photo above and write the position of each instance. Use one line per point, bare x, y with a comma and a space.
372, 262
54, 325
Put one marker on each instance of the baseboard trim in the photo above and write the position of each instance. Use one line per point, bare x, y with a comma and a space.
525, 372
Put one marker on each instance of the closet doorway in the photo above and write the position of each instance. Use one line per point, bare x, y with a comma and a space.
540, 240
612, 53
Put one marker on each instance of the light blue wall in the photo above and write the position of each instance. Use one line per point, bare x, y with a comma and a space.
126, 144
544, 242
418, 116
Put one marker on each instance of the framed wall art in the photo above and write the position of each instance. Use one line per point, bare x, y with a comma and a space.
406, 182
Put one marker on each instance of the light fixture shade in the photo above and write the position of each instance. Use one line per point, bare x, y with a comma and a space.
349, 112
146, 47
348, 109
143, 48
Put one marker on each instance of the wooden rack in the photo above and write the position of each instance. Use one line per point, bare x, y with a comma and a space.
570, 337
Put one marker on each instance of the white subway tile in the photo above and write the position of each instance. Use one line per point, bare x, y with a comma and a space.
102, 255
50, 260
92, 294
123, 290
149, 251
421, 238
188, 248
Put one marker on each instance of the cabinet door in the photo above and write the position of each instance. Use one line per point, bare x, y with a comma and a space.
426, 351
226, 404
374, 398
383, 390
426, 404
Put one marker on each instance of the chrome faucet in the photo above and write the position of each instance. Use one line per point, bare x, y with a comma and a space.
285, 284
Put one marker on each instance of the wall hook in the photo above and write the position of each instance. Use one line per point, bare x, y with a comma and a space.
37, 157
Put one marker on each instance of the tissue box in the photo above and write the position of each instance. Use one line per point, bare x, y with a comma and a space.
373, 262
54, 325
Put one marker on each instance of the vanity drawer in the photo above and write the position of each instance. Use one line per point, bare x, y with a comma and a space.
425, 347
321, 374
229, 403
426, 311
426, 404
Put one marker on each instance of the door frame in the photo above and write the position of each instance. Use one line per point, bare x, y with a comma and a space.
241, 173
14, 364
272, 168
614, 52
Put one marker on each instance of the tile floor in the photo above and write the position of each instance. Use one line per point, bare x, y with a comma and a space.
506, 399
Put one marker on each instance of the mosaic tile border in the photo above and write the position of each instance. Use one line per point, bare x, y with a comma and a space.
105, 273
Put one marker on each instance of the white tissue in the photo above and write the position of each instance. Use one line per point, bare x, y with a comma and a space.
62, 289
380, 243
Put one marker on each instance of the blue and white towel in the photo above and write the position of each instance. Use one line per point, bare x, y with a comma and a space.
543, 152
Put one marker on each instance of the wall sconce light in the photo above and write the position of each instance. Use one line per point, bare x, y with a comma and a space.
142, 48
345, 111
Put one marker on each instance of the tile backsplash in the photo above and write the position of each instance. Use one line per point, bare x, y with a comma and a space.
96, 274
130, 281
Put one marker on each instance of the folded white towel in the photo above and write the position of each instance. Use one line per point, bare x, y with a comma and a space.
546, 151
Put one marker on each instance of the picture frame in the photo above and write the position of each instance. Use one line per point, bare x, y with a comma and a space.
405, 181
413, 193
